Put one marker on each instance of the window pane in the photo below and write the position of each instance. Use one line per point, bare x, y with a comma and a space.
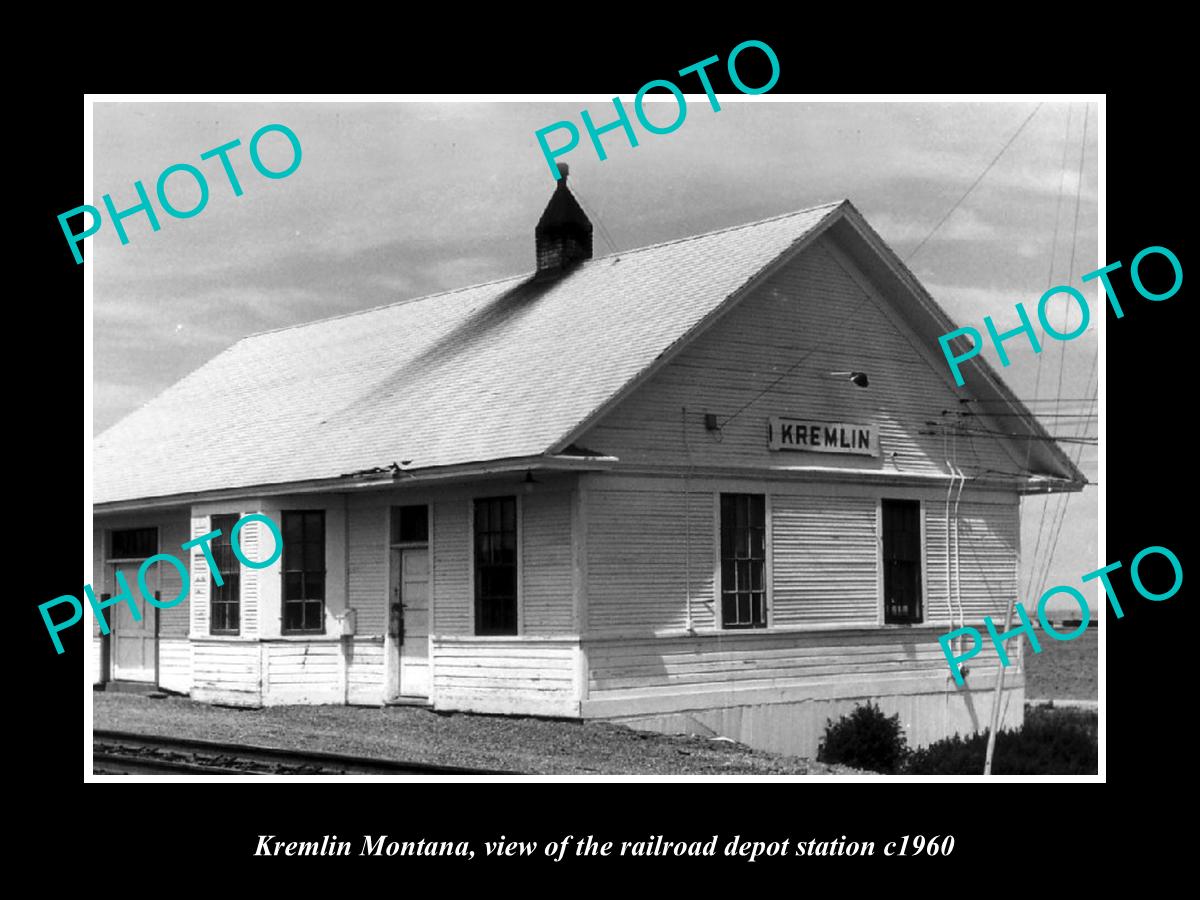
293, 586
496, 565
134, 543
313, 556
314, 586
292, 616
743, 555
758, 510
293, 526
902, 561
410, 524
314, 526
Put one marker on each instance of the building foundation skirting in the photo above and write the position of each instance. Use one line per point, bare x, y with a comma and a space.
255, 673
792, 720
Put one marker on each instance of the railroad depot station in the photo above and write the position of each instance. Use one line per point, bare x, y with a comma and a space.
723, 484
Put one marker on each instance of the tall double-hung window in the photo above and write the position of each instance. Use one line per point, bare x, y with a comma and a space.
225, 605
303, 571
743, 561
496, 565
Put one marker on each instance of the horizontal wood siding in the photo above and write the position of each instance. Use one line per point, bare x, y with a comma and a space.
452, 592
988, 537
175, 664
546, 567
637, 569
824, 555
227, 671
173, 622
100, 578
366, 672
368, 568
937, 602
812, 309
303, 672
506, 675
714, 663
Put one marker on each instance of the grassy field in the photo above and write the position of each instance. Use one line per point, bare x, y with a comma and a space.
1064, 670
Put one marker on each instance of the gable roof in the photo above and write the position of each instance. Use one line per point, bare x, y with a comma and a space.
506, 370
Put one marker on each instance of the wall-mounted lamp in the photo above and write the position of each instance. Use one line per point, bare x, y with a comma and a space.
529, 481
858, 379
710, 422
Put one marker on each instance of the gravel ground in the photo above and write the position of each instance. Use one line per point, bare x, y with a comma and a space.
520, 744
1064, 670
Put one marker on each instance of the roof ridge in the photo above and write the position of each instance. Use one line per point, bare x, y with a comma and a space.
619, 253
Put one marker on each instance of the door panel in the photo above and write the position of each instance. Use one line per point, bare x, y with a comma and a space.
133, 640
414, 651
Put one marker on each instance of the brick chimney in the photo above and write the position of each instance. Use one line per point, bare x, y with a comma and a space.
563, 235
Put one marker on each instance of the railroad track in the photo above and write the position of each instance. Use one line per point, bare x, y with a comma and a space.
127, 753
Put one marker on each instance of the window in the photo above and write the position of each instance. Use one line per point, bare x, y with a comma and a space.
496, 565
410, 524
304, 571
133, 543
225, 605
743, 561
901, 562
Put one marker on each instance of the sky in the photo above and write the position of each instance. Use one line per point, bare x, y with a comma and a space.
399, 200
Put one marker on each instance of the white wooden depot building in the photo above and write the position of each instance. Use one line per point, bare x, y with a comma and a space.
708, 485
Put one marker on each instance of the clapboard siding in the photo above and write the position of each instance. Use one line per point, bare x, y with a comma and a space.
716, 663
368, 568
546, 565
173, 622
824, 555
227, 671
988, 537
637, 569
811, 308
365, 672
506, 675
451, 568
99, 578
303, 672
175, 665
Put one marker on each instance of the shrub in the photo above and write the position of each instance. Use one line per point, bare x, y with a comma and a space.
865, 739
1052, 742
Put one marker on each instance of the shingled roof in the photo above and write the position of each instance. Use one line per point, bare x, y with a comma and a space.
490, 372
507, 370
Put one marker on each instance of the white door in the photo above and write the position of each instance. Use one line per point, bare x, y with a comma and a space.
410, 581
133, 640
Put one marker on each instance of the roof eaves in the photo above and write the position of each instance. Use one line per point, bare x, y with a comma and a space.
990, 375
